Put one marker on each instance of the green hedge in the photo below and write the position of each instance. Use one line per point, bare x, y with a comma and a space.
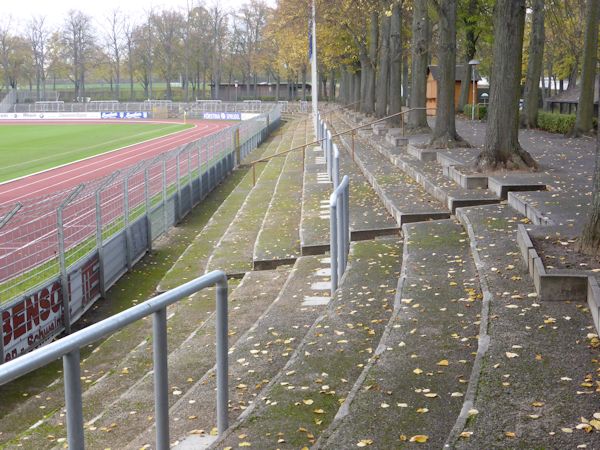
480, 111
556, 123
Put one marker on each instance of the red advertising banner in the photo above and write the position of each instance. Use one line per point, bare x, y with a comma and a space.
37, 318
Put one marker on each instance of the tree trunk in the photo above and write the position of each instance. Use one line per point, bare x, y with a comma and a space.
417, 119
332, 86
502, 149
304, 83
405, 79
531, 96
357, 83
444, 133
585, 106
590, 237
371, 65
470, 50
395, 94
364, 75
384, 68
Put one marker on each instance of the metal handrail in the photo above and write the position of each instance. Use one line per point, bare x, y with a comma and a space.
69, 346
318, 141
339, 220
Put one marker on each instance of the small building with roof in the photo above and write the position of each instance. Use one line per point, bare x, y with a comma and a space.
433, 75
566, 102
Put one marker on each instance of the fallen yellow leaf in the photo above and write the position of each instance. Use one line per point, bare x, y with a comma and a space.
443, 362
420, 438
510, 434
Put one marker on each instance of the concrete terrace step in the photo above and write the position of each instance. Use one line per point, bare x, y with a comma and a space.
278, 239
234, 251
416, 384
406, 200
314, 226
192, 262
539, 376
257, 357
368, 216
302, 400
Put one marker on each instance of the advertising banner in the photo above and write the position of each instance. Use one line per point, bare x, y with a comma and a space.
49, 115
32, 320
222, 116
124, 115
37, 318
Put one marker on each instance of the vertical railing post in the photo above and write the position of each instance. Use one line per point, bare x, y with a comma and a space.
164, 196
3, 221
347, 223
62, 261
72, 382
222, 351
161, 378
341, 236
333, 248
353, 143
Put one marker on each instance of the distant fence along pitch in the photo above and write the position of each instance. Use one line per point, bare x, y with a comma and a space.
69, 247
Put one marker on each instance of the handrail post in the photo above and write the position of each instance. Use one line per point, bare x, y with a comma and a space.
161, 378
72, 382
353, 143
333, 249
222, 355
253, 174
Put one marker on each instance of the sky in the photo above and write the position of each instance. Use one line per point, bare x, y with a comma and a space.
55, 11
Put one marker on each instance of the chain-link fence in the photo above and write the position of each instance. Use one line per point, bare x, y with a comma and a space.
68, 247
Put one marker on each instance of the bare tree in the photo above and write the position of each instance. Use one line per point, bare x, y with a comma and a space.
218, 27
168, 26
38, 36
116, 42
128, 34
78, 38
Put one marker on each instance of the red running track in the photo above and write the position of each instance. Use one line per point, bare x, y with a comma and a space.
71, 175
31, 239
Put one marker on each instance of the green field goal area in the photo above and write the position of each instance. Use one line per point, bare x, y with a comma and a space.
27, 149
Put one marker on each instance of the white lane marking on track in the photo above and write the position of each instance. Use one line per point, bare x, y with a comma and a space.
89, 147
117, 155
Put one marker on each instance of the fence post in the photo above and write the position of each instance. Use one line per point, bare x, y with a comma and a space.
3, 221
178, 175
148, 207
99, 238
126, 219
64, 276
189, 177
164, 195
236, 140
200, 189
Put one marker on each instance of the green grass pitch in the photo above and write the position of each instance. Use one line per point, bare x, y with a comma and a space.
27, 149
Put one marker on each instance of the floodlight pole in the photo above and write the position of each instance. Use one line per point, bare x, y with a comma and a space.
473, 63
